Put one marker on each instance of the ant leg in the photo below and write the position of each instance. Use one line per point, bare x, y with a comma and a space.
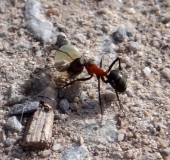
48, 68
81, 79
105, 81
117, 95
100, 102
118, 100
101, 62
121, 108
117, 59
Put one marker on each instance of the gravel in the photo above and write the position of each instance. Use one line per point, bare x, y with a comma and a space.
136, 31
41, 29
27, 107
13, 124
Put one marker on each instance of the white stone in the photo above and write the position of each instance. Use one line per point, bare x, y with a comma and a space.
56, 147
147, 71
121, 137
83, 96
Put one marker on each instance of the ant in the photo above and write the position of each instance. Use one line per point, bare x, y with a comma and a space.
114, 77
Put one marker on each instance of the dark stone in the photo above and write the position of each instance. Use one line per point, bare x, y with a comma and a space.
129, 31
119, 35
165, 152
13, 124
62, 40
72, 91
64, 105
27, 107
10, 141
89, 105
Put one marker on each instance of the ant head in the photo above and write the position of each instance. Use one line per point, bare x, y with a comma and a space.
76, 66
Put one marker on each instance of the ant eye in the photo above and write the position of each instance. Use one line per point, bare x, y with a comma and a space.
68, 53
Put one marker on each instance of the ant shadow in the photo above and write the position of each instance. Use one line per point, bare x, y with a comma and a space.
85, 109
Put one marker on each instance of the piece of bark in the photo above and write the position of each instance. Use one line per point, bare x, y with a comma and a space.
39, 128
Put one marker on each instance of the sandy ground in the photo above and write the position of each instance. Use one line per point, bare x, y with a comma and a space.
143, 134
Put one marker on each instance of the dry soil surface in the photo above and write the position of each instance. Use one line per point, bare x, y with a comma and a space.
144, 132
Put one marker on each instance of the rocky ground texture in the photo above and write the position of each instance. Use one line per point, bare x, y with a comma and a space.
138, 31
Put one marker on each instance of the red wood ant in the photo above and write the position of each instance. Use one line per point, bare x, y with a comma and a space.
114, 77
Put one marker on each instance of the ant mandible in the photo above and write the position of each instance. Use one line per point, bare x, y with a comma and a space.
114, 77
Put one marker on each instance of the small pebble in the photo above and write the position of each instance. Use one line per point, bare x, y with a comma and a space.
39, 53
56, 147
110, 96
89, 105
103, 11
76, 99
165, 152
74, 106
83, 96
52, 11
73, 91
130, 10
138, 37
46, 153
61, 28
165, 19
120, 34
137, 135
64, 105
166, 73
75, 153
156, 43
129, 31
27, 107
2, 136
62, 40
7, 149
2, 7
147, 71
10, 141
157, 34
133, 46
21, 45
14, 98
121, 137
155, 9
66, 2
147, 114
80, 38
33, 153
13, 124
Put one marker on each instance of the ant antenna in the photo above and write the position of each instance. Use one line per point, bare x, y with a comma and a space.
27, 102
65, 53
54, 66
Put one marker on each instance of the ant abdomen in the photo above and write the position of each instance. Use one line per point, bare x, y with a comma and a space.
117, 81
